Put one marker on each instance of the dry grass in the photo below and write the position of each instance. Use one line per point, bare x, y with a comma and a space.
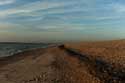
111, 51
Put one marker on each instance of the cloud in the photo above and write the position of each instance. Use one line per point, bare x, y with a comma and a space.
5, 2
64, 19
32, 7
6, 25
65, 12
52, 27
11, 27
48, 7
119, 8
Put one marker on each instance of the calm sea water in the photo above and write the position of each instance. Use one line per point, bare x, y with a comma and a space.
7, 49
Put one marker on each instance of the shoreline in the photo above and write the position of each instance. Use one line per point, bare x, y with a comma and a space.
66, 63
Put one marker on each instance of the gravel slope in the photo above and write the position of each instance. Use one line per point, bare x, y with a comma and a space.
51, 66
58, 65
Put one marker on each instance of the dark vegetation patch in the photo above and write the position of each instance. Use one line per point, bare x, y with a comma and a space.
98, 67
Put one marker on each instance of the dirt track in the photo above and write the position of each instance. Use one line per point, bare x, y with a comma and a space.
58, 65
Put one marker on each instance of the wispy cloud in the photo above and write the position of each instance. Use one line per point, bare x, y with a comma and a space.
118, 7
61, 16
5, 2
31, 7
7, 27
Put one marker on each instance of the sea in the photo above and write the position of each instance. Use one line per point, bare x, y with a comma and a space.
9, 49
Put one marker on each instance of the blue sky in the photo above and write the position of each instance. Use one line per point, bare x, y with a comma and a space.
61, 20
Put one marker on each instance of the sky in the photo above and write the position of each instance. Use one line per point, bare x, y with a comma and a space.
61, 20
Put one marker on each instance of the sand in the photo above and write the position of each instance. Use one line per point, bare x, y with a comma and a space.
97, 62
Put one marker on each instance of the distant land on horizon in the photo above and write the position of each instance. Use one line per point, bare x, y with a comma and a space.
54, 42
